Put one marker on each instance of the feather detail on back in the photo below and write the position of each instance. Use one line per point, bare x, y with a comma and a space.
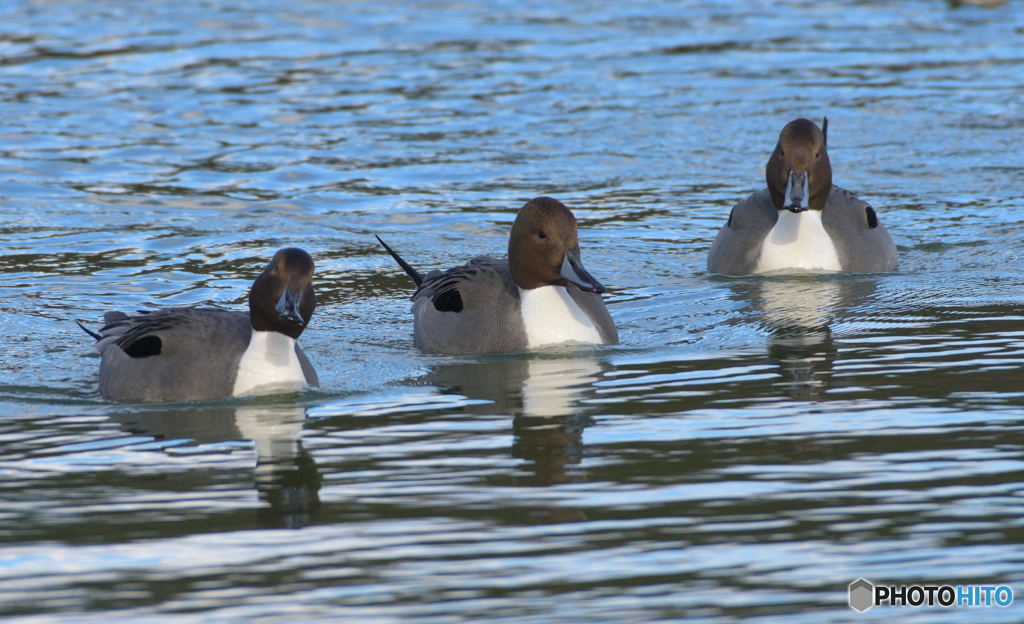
180, 354
473, 308
491, 273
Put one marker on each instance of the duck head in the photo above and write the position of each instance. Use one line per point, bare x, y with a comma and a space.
282, 298
544, 248
799, 173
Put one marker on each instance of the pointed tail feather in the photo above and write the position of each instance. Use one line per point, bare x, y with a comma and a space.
89, 331
413, 273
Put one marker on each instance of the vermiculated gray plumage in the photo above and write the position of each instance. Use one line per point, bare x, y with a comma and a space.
491, 319
859, 247
197, 359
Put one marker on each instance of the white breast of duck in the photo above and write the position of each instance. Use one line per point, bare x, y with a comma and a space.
550, 316
798, 241
270, 364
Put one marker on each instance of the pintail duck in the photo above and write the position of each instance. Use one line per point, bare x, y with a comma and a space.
541, 295
801, 221
192, 354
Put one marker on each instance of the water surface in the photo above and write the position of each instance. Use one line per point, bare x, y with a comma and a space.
752, 446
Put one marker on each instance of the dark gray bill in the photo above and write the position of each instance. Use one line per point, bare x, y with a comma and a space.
288, 306
573, 271
797, 193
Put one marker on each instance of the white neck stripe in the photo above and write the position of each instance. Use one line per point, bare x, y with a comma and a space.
798, 241
550, 316
269, 364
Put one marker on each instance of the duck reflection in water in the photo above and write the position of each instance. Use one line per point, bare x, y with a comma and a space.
546, 395
799, 311
286, 476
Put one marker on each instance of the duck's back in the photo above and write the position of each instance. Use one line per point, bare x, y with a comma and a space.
862, 242
176, 354
473, 308
476, 308
737, 247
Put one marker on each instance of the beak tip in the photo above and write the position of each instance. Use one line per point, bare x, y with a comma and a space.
572, 272
590, 286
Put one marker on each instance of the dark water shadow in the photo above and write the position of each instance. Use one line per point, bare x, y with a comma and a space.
546, 396
286, 476
798, 312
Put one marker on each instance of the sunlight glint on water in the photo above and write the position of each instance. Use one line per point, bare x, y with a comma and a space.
752, 446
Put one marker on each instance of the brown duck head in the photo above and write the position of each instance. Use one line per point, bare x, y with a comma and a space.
544, 248
799, 173
282, 298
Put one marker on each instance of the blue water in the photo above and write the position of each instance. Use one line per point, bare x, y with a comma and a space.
752, 446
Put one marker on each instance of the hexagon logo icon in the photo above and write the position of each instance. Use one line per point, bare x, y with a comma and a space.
862, 595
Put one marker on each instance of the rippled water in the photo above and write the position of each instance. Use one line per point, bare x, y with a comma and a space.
751, 447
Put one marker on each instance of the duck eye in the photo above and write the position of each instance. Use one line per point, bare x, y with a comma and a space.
818, 155
541, 234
